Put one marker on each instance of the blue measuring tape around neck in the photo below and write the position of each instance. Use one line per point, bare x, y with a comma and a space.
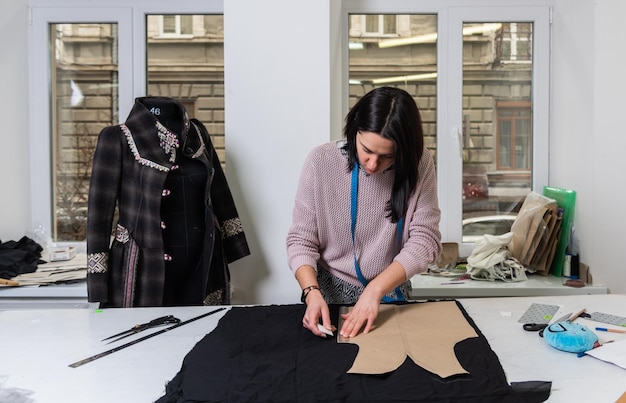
353, 213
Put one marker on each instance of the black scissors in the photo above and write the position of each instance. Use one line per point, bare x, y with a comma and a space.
163, 320
534, 327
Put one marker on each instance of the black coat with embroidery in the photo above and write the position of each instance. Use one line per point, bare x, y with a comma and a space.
130, 168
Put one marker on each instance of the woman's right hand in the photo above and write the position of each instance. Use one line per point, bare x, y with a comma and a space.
316, 309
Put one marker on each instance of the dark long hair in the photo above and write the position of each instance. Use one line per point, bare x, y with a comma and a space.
392, 113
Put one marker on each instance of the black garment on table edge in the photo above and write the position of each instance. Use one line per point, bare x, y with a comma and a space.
19, 257
264, 354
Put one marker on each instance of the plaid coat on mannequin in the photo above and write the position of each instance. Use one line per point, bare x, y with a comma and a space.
130, 167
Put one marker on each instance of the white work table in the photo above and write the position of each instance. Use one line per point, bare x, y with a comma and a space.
39, 345
430, 286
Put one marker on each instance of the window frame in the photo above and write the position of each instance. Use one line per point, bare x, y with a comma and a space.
451, 17
132, 75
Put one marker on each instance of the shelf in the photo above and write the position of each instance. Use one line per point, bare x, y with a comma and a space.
428, 286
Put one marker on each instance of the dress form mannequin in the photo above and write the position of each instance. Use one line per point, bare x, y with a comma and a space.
178, 227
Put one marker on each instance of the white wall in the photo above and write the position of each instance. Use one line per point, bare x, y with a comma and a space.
572, 105
276, 110
605, 153
587, 138
271, 125
15, 183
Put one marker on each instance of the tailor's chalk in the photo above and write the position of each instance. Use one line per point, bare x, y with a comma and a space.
452, 282
324, 330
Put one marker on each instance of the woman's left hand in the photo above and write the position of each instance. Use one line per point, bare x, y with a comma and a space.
362, 316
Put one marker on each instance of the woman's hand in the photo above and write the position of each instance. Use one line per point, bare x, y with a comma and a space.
362, 316
316, 309
365, 311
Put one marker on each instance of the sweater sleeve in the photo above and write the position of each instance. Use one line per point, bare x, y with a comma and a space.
422, 244
303, 242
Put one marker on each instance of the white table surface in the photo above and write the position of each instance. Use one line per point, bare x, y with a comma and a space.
429, 286
39, 345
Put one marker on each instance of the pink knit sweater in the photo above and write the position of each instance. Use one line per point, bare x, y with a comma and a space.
320, 230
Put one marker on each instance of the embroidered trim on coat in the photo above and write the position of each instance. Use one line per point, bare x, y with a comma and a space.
232, 227
202, 146
215, 298
97, 262
168, 140
139, 158
121, 234
130, 276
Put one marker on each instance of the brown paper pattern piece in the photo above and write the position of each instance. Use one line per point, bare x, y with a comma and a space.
426, 332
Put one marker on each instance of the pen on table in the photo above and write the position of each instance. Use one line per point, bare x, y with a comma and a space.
604, 329
452, 282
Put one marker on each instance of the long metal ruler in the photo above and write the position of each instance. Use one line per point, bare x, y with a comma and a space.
123, 346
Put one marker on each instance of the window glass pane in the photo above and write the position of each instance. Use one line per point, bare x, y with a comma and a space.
523, 145
186, 24
389, 24
190, 68
407, 60
504, 141
497, 104
169, 24
84, 99
371, 23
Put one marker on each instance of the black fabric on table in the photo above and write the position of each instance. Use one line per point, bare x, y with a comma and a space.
263, 354
19, 257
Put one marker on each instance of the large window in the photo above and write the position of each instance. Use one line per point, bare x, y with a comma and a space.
91, 65
479, 77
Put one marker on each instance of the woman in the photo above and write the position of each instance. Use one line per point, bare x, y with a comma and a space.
366, 215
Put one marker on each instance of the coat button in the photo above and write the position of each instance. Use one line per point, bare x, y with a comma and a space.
163, 226
165, 192
167, 257
174, 167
